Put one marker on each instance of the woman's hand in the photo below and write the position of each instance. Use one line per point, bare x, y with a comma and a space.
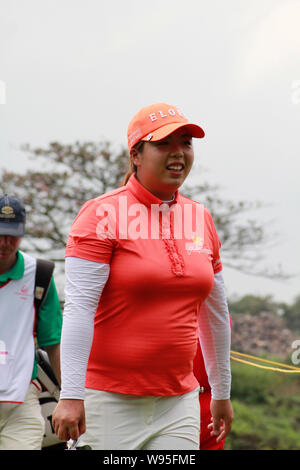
222, 417
68, 419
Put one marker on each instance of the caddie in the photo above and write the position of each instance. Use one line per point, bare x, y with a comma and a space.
22, 328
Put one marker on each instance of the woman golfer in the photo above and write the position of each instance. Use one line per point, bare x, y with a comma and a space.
143, 282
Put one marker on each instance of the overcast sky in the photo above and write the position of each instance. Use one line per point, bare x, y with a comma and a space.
79, 69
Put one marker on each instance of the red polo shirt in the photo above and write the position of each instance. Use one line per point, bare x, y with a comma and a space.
145, 335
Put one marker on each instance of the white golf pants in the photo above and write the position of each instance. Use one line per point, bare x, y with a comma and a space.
118, 421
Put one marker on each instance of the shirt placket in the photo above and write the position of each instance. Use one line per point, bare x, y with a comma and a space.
167, 236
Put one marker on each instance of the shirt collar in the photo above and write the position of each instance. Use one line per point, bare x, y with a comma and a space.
143, 195
17, 270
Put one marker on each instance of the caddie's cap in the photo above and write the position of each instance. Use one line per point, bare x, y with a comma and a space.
157, 121
12, 216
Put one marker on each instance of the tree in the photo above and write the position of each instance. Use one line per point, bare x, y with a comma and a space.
291, 314
254, 305
73, 174
244, 240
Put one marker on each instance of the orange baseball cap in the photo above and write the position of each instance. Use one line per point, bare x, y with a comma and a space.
157, 121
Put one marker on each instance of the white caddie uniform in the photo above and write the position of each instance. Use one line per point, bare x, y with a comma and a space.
18, 395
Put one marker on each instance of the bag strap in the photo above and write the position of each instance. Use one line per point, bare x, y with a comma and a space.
43, 275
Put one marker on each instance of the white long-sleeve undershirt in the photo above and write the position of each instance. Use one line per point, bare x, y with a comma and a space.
85, 281
215, 339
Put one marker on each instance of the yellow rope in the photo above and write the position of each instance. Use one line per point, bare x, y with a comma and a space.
264, 360
266, 367
294, 370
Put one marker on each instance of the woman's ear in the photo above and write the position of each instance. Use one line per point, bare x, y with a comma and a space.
135, 157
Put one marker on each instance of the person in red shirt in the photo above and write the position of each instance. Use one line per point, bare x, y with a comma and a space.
207, 441
143, 282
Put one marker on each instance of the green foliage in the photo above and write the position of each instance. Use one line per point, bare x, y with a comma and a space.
267, 410
251, 385
292, 315
254, 305
255, 429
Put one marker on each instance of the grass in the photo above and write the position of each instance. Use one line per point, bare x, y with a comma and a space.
267, 410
